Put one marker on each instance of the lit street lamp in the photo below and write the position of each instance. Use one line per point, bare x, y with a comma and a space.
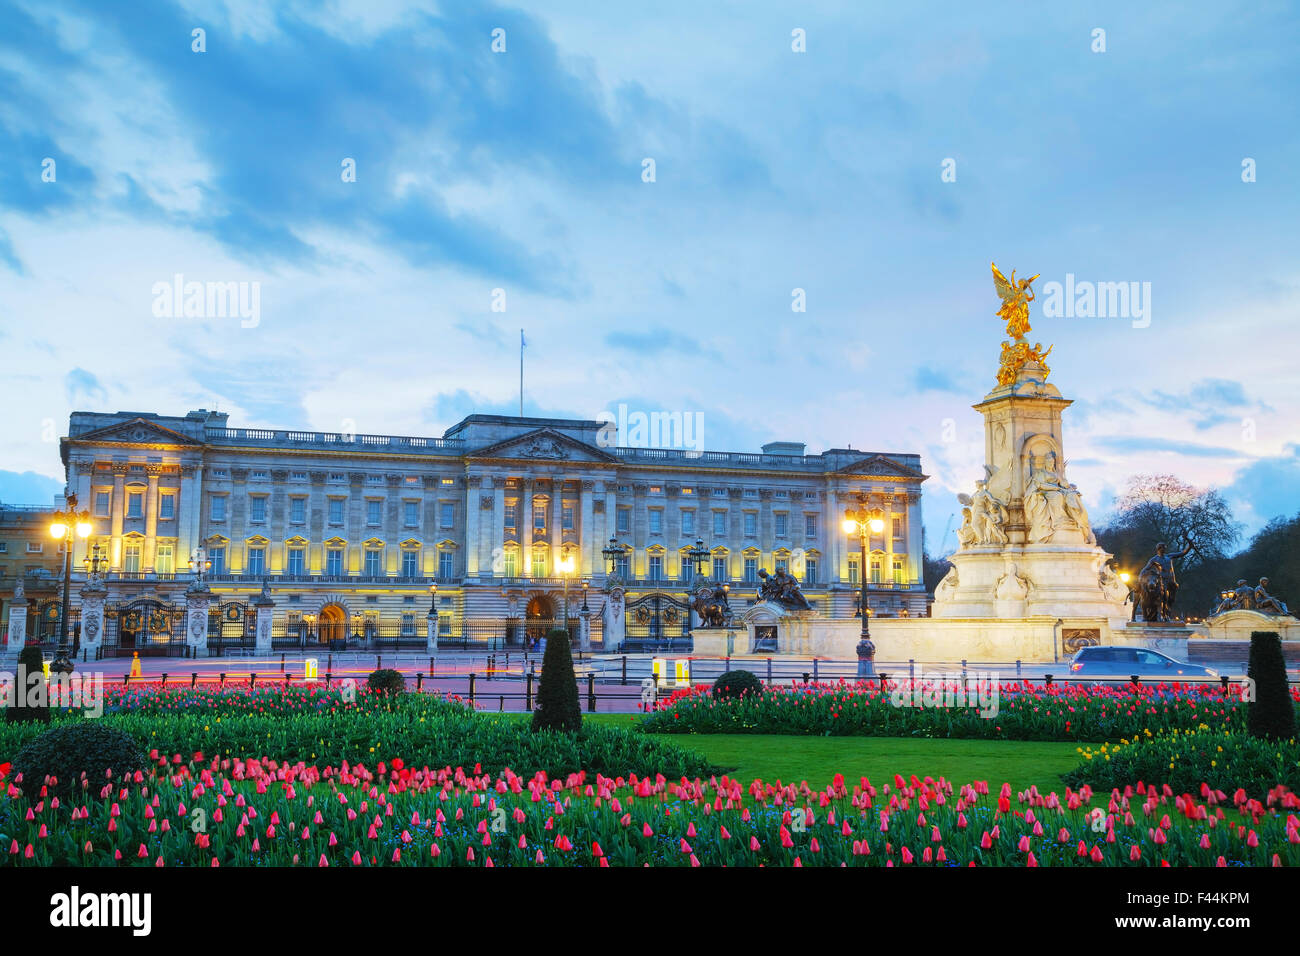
864, 522
67, 526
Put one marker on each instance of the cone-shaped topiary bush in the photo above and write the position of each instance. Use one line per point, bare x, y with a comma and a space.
1271, 713
557, 695
30, 676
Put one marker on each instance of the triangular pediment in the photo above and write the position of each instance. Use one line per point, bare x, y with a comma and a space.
543, 444
878, 466
137, 431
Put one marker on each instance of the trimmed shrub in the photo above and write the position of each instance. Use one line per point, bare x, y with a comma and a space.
386, 681
1271, 714
735, 684
557, 694
71, 749
30, 664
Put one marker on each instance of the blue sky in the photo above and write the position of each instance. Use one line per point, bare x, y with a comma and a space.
775, 170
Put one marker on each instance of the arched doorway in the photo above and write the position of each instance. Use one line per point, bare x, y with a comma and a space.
333, 624
539, 616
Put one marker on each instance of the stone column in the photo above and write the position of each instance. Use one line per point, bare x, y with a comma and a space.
264, 608
198, 602
92, 617
187, 516
472, 508
584, 630
86, 501
915, 548
150, 518
498, 525
431, 631
591, 561
887, 572
118, 511
555, 515
525, 528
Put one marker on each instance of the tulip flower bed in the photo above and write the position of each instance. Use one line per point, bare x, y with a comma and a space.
1025, 711
274, 700
1183, 759
232, 812
423, 727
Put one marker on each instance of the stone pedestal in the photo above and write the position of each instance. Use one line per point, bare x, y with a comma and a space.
613, 620
264, 608
17, 624
794, 633
584, 631
431, 633
1238, 626
1026, 547
93, 596
198, 603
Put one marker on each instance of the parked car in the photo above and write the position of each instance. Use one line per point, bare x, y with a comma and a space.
1110, 662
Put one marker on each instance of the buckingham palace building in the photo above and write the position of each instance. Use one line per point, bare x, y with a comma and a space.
497, 530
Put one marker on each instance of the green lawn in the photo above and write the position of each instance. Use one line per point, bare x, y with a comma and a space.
818, 759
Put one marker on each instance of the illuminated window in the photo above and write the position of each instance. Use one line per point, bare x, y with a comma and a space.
256, 561
164, 559
135, 504
296, 562
334, 562
166, 506
410, 563
446, 564
374, 562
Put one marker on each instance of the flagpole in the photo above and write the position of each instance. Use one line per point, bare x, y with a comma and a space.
521, 373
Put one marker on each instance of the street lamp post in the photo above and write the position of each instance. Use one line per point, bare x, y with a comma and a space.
864, 522
612, 553
67, 526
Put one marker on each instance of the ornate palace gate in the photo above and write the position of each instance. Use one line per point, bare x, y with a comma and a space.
658, 623
230, 627
148, 627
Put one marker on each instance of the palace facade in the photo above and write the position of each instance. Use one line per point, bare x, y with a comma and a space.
364, 535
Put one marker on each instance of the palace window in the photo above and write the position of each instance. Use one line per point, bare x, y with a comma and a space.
567, 517
164, 559
374, 565
539, 563
217, 556
298, 475
259, 474
410, 563
751, 524
898, 527
444, 625
446, 564
539, 516
751, 570
102, 499
256, 561
166, 506
810, 570
408, 624
688, 521
656, 521
511, 516
336, 511
751, 492
719, 523
783, 564
719, 569
686, 568
296, 565
374, 512
257, 508
509, 564
810, 526
411, 513
855, 572
898, 572
131, 559
624, 520
781, 521
334, 562
875, 570
297, 510
135, 504
622, 566
656, 567
446, 515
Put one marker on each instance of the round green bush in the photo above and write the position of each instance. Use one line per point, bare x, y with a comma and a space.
30, 672
386, 681
71, 749
735, 684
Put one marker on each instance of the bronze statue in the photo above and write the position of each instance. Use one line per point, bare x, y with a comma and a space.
1161, 566
782, 588
1267, 603
712, 606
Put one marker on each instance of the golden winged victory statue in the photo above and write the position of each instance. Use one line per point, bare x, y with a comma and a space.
1016, 294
